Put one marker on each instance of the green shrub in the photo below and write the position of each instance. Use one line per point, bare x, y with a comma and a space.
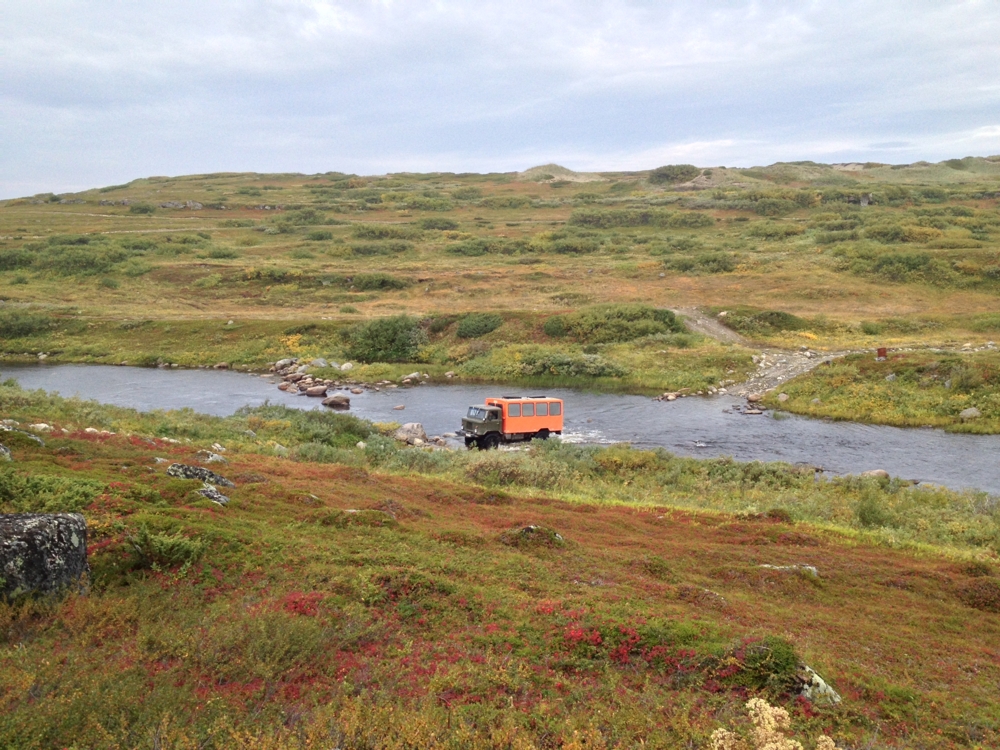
475, 325
385, 247
142, 209
384, 232
367, 282
11, 260
752, 322
467, 194
441, 224
673, 173
610, 323
774, 231
159, 550
223, 253
639, 217
395, 339
109, 283
555, 327
774, 206
704, 263
39, 493
18, 322
505, 201
319, 235
529, 360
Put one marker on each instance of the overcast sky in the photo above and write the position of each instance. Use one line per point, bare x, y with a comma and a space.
97, 92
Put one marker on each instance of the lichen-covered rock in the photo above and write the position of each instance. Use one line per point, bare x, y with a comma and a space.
5, 453
41, 552
207, 457
183, 471
213, 494
814, 688
529, 537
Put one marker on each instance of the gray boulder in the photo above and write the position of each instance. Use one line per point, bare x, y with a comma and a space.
5, 453
814, 688
346, 367
410, 433
41, 552
207, 457
971, 413
877, 473
209, 491
183, 471
319, 362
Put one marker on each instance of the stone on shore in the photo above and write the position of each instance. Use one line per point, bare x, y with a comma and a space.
410, 433
41, 552
971, 413
316, 390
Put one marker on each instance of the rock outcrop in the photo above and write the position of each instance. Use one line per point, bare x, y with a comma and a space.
183, 471
411, 432
41, 552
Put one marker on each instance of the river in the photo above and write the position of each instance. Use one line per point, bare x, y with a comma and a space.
697, 426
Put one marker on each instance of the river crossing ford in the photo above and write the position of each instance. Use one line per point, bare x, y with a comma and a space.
697, 426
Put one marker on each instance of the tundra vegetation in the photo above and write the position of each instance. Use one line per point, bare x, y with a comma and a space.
357, 593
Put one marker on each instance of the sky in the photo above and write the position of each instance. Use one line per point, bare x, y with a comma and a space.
99, 92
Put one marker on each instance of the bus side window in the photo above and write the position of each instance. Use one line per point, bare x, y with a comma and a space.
513, 410
543, 410
529, 410
556, 410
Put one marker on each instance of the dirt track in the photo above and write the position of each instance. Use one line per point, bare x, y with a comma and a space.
774, 366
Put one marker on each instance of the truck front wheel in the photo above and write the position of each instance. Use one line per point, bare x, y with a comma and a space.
469, 442
491, 441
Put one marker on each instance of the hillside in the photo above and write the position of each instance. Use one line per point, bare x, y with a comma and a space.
565, 596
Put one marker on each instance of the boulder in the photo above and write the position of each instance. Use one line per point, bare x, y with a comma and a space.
5, 453
400, 407
316, 390
357, 391
782, 397
814, 688
209, 491
449, 374
877, 473
41, 552
753, 398
971, 413
346, 367
284, 386
319, 362
410, 433
337, 402
283, 363
183, 471
412, 376
221, 366
207, 457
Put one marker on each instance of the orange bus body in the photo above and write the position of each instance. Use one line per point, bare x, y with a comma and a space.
516, 422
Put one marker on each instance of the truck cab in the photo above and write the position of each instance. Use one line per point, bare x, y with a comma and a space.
510, 419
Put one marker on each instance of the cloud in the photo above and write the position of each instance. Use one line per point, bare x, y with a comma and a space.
95, 93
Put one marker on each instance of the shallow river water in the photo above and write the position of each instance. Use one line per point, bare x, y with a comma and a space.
703, 427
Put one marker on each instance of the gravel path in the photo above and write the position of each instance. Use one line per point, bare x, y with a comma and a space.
774, 366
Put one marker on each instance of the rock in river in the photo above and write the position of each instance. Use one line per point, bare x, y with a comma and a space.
337, 402
41, 552
316, 390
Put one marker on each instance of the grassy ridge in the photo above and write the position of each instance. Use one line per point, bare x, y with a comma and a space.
386, 597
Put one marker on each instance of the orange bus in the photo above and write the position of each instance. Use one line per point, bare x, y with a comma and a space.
511, 419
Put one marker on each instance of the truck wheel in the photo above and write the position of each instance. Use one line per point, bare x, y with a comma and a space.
542, 435
469, 442
491, 441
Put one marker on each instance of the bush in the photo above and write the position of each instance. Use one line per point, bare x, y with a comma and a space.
774, 231
163, 550
384, 232
368, 282
142, 209
319, 235
673, 173
389, 247
11, 260
555, 327
16, 323
762, 322
611, 323
704, 263
441, 224
22, 493
223, 253
635, 217
475, 325
395, 339
532, 361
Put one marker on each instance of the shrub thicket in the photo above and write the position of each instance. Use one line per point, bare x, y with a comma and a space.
395, 339
613, 323
673, 173
475, 325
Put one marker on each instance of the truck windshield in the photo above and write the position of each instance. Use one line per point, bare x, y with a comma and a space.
478, 412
